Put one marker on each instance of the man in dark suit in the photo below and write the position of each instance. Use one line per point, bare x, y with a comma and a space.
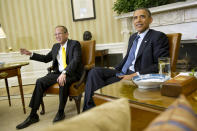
66, 62
144, 49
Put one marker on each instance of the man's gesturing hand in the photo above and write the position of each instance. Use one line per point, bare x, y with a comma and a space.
26, 52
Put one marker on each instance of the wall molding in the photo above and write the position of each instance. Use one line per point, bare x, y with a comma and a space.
114, 48
179, 17
36, 69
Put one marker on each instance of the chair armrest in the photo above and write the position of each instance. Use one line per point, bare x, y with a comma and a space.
82, 79
49, 69
89, 66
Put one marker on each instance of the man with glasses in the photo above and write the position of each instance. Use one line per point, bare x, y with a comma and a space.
144, 48
67, 68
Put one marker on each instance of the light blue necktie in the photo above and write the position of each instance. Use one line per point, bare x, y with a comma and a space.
131, 56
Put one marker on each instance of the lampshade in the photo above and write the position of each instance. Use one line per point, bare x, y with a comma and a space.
2, 34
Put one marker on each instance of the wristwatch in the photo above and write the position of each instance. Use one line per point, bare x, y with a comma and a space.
64, 72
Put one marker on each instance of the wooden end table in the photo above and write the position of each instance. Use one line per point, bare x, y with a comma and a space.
102, 54
11, 70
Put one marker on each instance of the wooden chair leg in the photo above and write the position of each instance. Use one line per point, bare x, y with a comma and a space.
78, 102
43, 108
70, 98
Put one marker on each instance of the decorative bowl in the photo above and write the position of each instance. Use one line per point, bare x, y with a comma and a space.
149, 80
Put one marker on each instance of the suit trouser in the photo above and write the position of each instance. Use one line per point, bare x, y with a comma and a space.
97, 78
42, 84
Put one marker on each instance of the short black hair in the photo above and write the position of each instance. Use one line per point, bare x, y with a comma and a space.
146, 9
64, 28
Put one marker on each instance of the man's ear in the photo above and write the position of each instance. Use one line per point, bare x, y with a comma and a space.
150, 20
67, 34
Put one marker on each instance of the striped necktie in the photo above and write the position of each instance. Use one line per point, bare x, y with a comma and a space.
64, 57
131, 56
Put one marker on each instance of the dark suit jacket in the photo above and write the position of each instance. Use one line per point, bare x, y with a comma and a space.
73, 58
154, 45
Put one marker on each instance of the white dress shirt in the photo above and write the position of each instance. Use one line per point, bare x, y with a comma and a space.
142, 35
59, 57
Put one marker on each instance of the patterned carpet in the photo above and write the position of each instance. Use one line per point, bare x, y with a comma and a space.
11, 116
27, 89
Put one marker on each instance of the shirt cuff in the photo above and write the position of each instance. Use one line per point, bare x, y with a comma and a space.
64, 72
138, 73
31, 54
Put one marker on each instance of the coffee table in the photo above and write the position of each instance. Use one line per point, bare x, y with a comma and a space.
145, 104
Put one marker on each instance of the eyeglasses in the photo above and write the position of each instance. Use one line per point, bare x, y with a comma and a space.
59, 34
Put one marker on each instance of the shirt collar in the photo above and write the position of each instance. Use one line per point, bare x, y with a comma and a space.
143, 34
65, 44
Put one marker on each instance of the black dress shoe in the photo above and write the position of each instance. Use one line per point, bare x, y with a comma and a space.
30, 120
59, 116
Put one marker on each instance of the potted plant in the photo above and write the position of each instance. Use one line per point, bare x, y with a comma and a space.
125, 6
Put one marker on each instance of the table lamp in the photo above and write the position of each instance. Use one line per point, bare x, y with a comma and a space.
2, 35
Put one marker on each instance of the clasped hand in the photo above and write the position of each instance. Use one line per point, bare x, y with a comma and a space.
61, 79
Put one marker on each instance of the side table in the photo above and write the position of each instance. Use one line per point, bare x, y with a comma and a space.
101, 54
11, 70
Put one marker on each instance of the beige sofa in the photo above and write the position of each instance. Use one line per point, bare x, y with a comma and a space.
115, 116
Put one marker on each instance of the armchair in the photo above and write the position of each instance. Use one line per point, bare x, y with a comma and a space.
77, 88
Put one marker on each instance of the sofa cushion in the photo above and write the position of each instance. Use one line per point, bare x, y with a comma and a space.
178, 117
111, 116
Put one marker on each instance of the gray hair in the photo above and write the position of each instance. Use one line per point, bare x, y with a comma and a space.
64, 28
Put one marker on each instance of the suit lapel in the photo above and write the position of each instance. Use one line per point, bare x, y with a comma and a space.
144, 43
56, 51
67, 49
130, 44
58, 47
